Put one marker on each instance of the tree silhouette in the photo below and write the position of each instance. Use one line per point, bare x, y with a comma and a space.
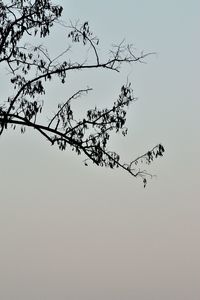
31, 66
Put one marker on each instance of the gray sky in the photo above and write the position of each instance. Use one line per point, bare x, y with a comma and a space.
74, 232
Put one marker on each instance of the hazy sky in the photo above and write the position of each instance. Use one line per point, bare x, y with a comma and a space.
71, 232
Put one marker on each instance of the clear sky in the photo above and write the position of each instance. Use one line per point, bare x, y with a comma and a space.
73, 232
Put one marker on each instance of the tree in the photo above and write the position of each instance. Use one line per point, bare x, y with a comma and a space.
31, 67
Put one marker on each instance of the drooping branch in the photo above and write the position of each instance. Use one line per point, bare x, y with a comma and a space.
32, 66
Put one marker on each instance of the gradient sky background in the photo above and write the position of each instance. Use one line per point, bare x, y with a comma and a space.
73, 232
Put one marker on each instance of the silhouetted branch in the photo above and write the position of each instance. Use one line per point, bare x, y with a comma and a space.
31, 66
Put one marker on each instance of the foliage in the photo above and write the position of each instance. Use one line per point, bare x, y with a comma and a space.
31, 66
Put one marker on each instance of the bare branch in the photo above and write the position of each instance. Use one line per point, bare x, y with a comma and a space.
74, 96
